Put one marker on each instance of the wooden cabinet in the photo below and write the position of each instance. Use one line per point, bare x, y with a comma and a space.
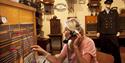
91, 26
18, 34
55, 35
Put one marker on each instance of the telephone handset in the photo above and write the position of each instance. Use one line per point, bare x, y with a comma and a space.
73, 34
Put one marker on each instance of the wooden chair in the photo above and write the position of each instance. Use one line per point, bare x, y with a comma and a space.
104, 58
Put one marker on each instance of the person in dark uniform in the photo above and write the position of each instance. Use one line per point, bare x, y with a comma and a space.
108, 31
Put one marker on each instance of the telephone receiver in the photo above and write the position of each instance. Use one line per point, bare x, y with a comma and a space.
73, 34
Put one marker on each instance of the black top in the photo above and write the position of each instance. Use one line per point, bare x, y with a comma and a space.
107, 23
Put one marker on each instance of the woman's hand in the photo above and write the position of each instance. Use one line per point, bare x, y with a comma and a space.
38, 49
66, 33
76, 42
48, 56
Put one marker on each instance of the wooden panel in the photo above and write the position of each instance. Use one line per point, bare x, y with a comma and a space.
26, 16
122, 23
90, 19
90, 23
55, 26
11, 13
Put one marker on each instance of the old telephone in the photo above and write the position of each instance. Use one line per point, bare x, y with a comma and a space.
73, 34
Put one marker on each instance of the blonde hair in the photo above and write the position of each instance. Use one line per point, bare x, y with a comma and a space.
72, 24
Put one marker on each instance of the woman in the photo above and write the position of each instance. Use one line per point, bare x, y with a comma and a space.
79, 49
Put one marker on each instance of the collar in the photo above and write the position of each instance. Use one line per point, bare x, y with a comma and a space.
107, 11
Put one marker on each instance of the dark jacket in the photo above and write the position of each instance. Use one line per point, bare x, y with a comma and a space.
108, 23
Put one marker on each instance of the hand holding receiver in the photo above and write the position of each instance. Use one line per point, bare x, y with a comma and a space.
77, 39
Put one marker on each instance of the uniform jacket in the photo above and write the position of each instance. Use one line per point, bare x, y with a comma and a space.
108, 23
